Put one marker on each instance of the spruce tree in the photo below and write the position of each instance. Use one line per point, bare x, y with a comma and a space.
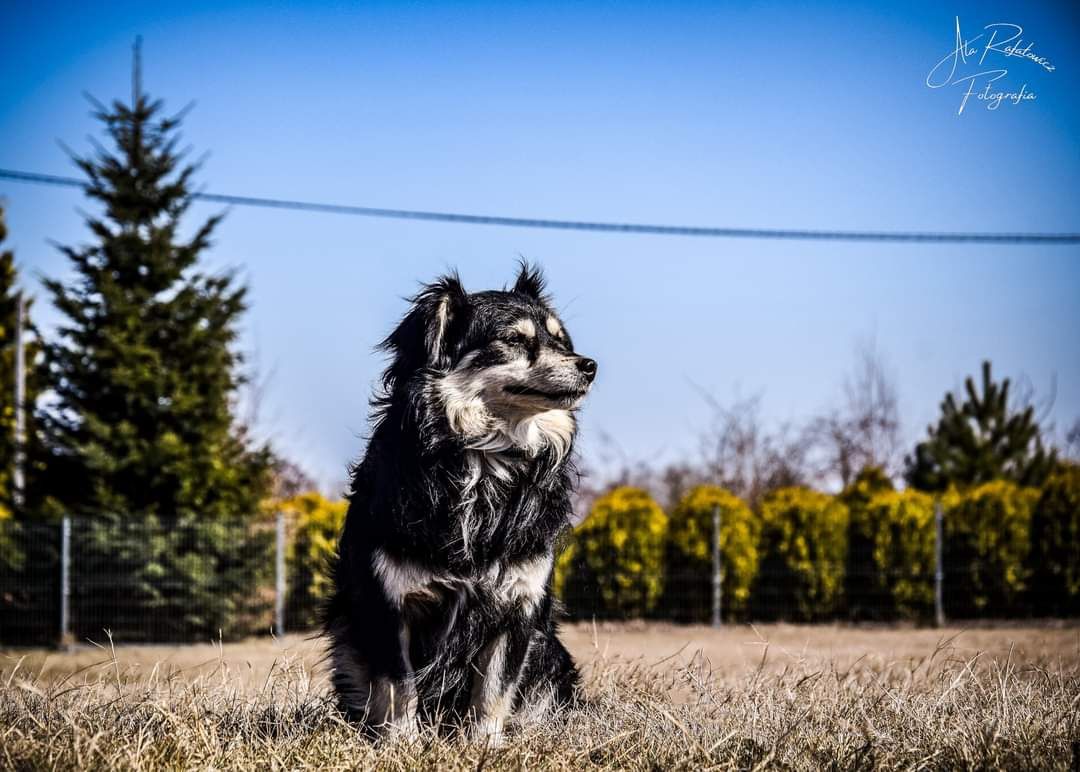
27, 551
8, 309
981, 440
145, 371
9, 300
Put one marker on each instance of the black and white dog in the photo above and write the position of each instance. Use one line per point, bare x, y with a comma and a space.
442, 610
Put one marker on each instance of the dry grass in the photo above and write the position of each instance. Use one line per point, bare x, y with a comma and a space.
659, 697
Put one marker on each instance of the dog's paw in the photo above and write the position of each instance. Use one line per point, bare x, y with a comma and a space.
488, 731
402, 730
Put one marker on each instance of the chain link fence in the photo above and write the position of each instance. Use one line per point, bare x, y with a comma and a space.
176, 580
153, 580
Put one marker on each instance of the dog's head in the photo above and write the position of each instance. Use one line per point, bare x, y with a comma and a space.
501, 363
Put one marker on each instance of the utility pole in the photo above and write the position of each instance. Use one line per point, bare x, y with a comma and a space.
20, 400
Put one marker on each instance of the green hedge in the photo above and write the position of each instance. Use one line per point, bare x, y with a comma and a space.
987, 550
688, 582
614, 563
1055, 545
804, 547
178, 579
863, 597
1009, 551
900, 526
315, 525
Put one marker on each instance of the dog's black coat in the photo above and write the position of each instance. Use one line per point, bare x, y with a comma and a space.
442, 606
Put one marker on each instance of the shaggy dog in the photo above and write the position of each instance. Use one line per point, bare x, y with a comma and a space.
442, 610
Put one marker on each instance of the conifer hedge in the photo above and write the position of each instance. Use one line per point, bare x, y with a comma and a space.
689, 564
900, 526
803, 548
987, 549
614, 563
1055, 545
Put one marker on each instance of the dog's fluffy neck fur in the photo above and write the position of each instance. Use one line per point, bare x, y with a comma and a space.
490, 485
480, 430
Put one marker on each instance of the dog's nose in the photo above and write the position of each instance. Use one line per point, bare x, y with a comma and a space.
588, 367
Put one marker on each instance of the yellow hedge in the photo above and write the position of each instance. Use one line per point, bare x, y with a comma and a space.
11, 557
900, 527
1055, 544
987, 546
688, 581
316, 526
864, 597
614, 563
804, 547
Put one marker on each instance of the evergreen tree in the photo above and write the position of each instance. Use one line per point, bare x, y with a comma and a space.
145, 371
146, 367
981, 440
27, 551
9, 299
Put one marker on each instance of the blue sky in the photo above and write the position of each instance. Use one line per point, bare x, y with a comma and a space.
756, 115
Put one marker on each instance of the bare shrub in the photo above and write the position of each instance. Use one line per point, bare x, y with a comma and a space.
864, 430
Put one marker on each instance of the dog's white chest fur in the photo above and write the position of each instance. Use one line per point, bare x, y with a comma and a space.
522, 583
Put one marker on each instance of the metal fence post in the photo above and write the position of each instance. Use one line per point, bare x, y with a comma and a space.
939, 567
279, 577
65, 581
717, 575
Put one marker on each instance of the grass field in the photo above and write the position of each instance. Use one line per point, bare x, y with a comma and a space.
660, 696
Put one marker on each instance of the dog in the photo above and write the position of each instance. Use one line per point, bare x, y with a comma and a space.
442, 612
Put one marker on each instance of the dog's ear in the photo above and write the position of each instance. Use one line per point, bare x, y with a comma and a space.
422, 339
530, 282
445, 302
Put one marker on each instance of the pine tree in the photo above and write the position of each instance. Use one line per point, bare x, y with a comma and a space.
145, 371
981, 440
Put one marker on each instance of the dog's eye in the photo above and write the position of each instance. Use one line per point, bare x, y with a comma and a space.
516, 339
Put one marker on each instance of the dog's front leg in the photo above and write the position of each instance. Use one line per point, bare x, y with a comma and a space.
392, 700
497, 672
381, 630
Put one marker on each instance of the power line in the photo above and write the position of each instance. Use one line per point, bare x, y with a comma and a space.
601, 227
